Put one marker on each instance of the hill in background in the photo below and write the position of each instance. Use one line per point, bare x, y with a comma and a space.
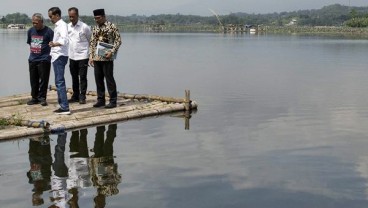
332, 15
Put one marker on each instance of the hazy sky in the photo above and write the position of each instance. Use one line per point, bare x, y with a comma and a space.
149, 7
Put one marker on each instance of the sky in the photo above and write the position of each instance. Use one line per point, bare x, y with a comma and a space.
186, 7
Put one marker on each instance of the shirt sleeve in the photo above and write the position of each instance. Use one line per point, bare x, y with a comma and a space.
29, 37
51, 33
117, 40
93, 43
63, 38
88, 32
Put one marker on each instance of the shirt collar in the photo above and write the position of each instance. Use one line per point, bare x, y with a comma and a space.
78, 23
58, 22
105, 24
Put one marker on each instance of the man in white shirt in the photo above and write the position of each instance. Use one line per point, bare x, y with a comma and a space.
79, 37
59, 57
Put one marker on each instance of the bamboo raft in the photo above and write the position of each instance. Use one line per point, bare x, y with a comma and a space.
24, 120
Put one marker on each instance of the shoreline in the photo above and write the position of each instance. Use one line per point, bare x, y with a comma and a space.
200, 28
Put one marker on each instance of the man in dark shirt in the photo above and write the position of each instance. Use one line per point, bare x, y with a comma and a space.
38, 38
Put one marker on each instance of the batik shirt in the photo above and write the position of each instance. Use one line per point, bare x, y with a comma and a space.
106, 33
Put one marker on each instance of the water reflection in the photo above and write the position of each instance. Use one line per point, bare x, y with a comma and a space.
40, 167
77, 175
59, 179
104, 170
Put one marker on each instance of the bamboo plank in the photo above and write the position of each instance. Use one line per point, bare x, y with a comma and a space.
133, 96
23, 96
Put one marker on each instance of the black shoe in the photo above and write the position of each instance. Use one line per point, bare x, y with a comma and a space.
111, 105
33, 101
62, 112
82, 102
73, 100
99, 104
43, 102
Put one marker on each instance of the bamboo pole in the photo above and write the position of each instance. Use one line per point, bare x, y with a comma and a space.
21, 132
118, 117
140, 96
187, 117
23, 96
10, 103
35, 124
151, 97
187, 100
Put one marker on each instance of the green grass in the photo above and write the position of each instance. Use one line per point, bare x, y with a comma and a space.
15, 119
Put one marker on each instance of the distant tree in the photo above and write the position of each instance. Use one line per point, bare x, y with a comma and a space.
87, 19
353, 13
357, 22
231, 19
17, 18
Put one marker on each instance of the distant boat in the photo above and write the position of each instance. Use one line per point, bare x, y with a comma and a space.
252, 30
16, 26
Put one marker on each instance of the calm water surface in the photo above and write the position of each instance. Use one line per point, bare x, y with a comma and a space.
282, 122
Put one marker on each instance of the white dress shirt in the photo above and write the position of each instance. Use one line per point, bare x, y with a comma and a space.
79, 37
60, 36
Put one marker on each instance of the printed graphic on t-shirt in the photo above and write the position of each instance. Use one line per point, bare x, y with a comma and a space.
36, 44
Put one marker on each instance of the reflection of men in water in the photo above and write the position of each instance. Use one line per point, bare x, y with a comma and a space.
104, 171
58, 180
78, 144
79, 176
40, 171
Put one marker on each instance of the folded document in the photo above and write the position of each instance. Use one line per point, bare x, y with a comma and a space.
103, 48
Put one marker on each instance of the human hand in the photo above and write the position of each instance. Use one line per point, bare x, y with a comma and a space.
52, 44
108, 54
91, 63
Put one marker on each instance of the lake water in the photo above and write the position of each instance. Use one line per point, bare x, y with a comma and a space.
282, 122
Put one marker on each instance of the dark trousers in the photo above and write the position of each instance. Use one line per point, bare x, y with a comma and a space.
78, 70
39, 73
102, 147
105, 69
59, 166
78, 144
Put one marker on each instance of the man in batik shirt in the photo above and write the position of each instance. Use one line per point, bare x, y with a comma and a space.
104, 45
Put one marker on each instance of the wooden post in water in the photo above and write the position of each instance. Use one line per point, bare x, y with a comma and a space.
187, 101
187, 107
187, 117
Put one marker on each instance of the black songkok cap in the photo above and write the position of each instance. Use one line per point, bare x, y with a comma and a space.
98, 12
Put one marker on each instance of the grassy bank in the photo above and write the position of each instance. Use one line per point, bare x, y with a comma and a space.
346, 31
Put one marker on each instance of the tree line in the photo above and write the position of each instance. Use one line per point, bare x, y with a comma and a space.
332, 15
